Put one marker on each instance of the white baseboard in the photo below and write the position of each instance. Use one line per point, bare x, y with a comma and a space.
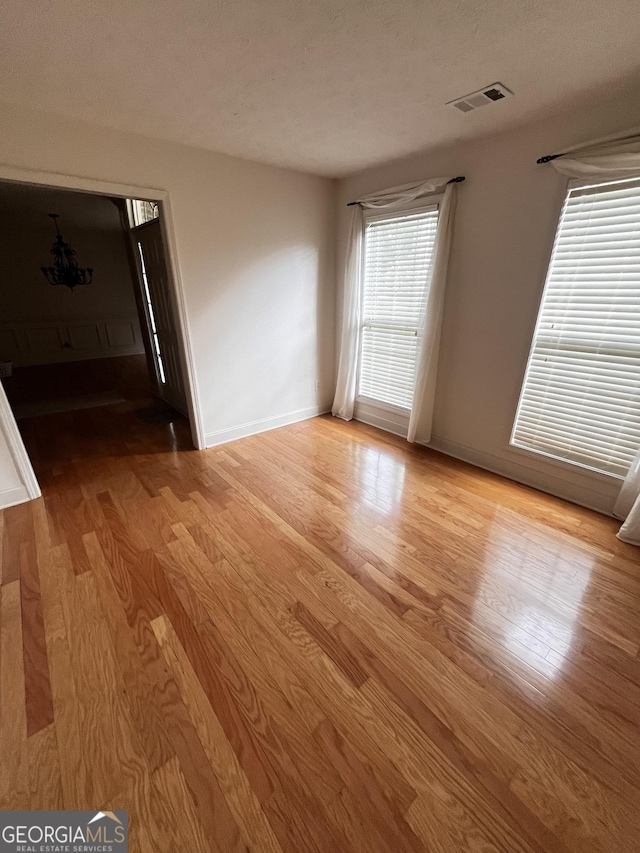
11, 497
584, 494
11, 438
382, 417
254, 427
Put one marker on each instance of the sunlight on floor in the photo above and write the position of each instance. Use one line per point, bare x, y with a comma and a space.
537, 585
381, 477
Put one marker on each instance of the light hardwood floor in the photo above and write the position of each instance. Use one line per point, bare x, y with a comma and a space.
315, 639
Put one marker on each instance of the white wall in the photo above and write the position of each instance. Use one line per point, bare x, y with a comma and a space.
39, 323
255, 251
506, 219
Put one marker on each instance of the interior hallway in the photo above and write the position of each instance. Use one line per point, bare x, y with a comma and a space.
315, 639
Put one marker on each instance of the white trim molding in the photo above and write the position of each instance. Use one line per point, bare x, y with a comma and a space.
223, 436
13, 497
389, 418
581, 489
29, 487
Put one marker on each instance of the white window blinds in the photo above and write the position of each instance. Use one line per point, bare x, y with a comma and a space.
398, 251
581, 395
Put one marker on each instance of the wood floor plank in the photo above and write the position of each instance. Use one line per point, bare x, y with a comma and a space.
232, 700
141, 691
264, 550
36, 661
120, 755
74, 761
406, 753
16, 531
334, 694
178, 825
491, 735
45, 781
100, 774
237, 790
493, 786
73, 520
279, 695
447, 826
603, 730
246, 636
358, 780
14, 778
339, 654
183, 738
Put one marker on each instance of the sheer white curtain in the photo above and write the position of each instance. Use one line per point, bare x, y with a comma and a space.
424, 393
614, 158
345, 397
429, 335
628, 505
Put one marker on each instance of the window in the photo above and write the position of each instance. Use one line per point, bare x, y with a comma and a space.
581, 395
141, 211
152, 319
398, 251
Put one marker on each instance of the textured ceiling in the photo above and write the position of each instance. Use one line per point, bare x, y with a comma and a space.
326, 86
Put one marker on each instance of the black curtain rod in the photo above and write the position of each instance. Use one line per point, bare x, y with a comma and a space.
457, 180
548, 158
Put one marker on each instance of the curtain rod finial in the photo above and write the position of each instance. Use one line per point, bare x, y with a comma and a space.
548, 158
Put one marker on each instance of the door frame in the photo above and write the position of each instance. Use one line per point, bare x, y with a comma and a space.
29, 487
109, 188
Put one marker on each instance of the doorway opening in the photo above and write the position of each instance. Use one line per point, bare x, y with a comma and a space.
90, 332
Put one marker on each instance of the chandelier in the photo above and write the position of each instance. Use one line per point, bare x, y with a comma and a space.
65, 269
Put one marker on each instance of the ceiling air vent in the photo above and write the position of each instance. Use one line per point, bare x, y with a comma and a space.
494, 92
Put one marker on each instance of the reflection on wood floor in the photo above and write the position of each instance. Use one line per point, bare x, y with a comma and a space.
314, 639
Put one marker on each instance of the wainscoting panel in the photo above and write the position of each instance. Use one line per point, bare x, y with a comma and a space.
62, 340
8, 342
120, 334
42, 339
84, 337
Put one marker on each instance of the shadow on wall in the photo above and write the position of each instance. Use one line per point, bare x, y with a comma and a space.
286, 332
